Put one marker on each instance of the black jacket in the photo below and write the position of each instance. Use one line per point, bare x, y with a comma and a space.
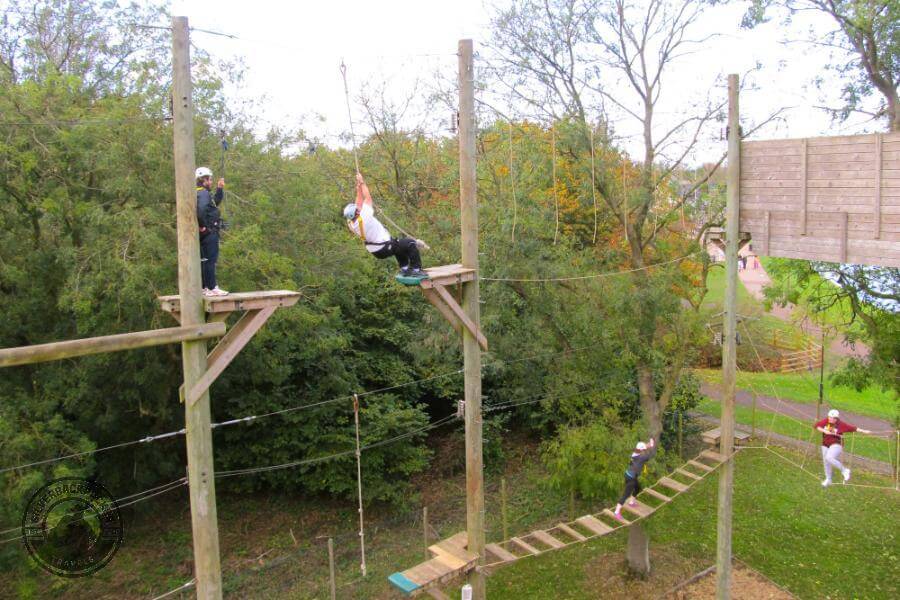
208, 208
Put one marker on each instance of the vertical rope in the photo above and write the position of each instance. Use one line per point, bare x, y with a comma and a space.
362, 534
512, 183
555, 194
593, 186
349, 115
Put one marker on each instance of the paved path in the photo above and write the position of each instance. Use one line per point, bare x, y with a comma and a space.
796, 410
755, 279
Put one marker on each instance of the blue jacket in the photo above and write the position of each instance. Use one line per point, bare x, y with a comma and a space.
208, 208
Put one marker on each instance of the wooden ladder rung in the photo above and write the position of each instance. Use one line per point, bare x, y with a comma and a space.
500, 552
688, 474
525, 546
673, 485
548, 539
657, 495
712, 455
570, 531
594, 524
700, 465
612, 516
639, 508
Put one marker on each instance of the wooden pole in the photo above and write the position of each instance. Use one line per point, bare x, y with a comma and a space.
331, 568
25, 355
729, 345
503, 518
471, 350
425, 531
362, 531
198, 435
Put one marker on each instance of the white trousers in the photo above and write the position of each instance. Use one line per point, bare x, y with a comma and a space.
831, 458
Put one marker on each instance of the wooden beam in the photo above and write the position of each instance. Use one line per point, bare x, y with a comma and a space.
108, 343
500, 552
450, 301
548, 539
593, 524
435, 300
525, 546
569, 531
228, 348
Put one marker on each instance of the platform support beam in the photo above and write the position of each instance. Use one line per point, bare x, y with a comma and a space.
729, 346
198, 437
471, 349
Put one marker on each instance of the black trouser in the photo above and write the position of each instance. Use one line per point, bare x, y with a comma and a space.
632, 488
209, 255
404, 249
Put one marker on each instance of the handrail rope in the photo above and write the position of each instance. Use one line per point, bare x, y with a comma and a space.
593, 276
180, 588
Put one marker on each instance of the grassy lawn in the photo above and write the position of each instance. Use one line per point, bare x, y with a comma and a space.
784, 524
803, 387
879, 448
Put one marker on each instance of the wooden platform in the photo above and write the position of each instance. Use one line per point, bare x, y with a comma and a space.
450, 558
712, 436
435, 290
448, 275
257, 308
234, 302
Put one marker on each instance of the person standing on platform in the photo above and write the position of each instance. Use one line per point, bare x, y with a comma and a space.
210, 222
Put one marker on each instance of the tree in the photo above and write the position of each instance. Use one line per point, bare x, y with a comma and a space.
864, 45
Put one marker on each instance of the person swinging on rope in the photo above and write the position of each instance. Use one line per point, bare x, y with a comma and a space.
833, 430
362, 223
642, 453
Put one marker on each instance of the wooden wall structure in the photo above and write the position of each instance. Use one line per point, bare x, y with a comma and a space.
834, 199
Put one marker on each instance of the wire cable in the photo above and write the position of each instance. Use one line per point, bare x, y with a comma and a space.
594, 276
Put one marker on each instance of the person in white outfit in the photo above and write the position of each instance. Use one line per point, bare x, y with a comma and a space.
363, 224
833, 430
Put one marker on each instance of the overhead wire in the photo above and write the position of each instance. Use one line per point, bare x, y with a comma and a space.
592, 276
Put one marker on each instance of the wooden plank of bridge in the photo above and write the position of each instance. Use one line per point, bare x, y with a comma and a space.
594, 524
500, 552
525, 546
570, 531
612, 516
639, 508
548, 539
688, 474
657, 495
712, 456
672, 484
700, 465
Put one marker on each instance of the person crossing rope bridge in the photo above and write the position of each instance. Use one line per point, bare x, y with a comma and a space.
362, 223
833, 430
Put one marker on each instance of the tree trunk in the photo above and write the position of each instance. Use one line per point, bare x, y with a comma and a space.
638, 551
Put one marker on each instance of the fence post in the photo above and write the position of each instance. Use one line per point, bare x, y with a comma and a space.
503, 507
331, 568
425, 530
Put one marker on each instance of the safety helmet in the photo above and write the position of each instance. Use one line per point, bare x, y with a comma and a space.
202, 172
833, 413
350, 211
641, 446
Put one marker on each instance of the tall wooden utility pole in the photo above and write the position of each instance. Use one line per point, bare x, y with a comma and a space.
472, 353
729, 344
193, 353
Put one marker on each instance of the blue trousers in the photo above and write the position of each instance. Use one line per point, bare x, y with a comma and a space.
209, 256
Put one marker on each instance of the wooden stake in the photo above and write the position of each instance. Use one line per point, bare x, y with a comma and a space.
425, 531
331, 568
503, 518
729, 346
198, 436
362, 531
471, 349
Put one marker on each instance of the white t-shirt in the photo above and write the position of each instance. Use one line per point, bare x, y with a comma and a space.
375, 233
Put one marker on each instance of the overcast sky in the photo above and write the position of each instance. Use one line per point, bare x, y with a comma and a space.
292, 52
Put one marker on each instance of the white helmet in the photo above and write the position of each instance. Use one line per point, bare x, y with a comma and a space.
833, 413
202, 172
350, 211
641, 446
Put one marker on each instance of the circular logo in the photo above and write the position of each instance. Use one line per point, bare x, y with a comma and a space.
72, 527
